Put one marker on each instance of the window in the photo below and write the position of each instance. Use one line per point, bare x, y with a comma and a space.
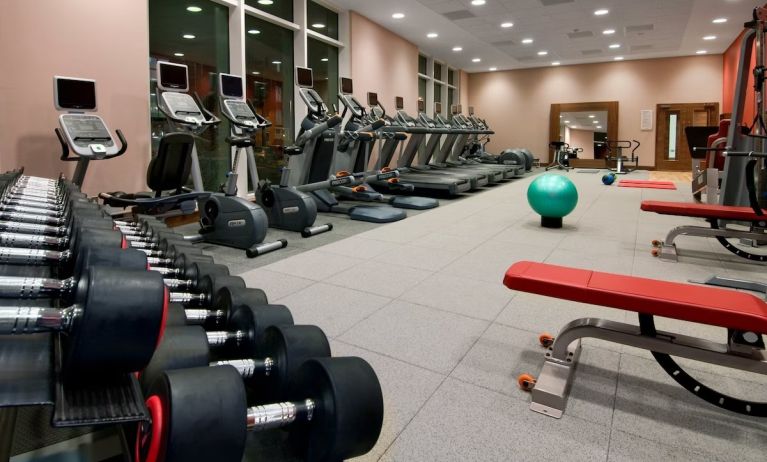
673, 120
422, 65
450, 97
438, 94
269, 86
280, 8
451, 77
437, 71
321, 19
323, 60
206, 55
422, 88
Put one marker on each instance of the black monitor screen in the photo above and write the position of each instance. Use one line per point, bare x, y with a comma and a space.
438, 108
76, 94
399, 102
231, 86
347, 86
372, 99
421, 105
172, 76
304, 77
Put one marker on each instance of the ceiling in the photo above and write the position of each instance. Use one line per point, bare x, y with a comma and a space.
568, 30
583, 121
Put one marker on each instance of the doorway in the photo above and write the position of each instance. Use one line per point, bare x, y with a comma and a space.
671, 150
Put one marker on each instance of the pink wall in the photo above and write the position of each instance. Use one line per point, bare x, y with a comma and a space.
517, 103
103, 40
583, 139
383, 62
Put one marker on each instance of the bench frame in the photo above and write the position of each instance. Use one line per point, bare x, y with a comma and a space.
549, 396
755, 234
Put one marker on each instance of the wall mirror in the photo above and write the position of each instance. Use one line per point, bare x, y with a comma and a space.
586, 126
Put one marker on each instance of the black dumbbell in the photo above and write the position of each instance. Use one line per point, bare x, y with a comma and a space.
114, 325
226, 302
62, 259
282, 349
335, 412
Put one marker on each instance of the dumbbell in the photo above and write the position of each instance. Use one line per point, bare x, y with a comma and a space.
218, 314
64, 259
39, 198
114, 324
335, 412
268, 367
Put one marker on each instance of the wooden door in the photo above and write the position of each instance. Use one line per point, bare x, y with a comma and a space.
671, 150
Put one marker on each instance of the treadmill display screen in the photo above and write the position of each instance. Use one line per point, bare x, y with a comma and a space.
304, 77
172, 76
231, 86
421, 105
399, 102
438, 108
347, 86
372, 99
75, 94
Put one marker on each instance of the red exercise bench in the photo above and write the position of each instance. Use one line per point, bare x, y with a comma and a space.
715, 215
742, 314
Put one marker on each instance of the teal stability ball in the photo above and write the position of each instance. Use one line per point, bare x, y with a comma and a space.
553, 197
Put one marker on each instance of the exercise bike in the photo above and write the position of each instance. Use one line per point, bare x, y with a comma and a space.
615, 154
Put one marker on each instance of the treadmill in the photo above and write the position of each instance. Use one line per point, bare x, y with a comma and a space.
511, 170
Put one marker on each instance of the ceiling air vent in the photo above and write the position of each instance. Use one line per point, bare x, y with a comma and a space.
555, 2
577, 34
591, 52
640, 28
460, 14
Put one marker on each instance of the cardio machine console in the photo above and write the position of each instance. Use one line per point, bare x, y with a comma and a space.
183, 106
88, 135
240, 111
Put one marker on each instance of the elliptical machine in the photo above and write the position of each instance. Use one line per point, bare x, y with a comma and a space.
225, 219
287, 207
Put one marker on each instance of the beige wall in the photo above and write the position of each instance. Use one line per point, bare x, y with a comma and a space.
517, 103
583, 139
40, 39
383, 62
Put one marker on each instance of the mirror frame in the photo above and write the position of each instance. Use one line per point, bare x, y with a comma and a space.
612, 121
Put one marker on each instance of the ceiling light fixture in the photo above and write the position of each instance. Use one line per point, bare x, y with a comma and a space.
265, 2
555, 63
618, 58
615, 45
591, 116
276, 62
197, 9
457, 48
178, 54
709, 37
701, 52
398, 15
254, 31
493, 69
478, 2
256, 73
599, 126
506, 25
608, 31
476, 60
595, 121
567, 121
543, 53
318, 25
527, 41
432, 35
324, 60
719, 20
601, 12
189, 36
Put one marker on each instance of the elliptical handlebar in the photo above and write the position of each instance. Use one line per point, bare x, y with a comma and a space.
65, 147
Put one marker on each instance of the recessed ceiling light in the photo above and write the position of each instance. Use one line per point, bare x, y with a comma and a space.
189, 36
493, 69
709, 37
506, 25
476, 60
567, 121
432, 35
555, 63
318, 25
527, 41
197, 9
608, 31
256, 73
478, 2
601, 12
599, 126
595, 121
543, 53
324, 60
618, 58
719, 20
701, 52
457, 48
178, 54
398, 15
265, 2
560, 117
615, 45
254, 31
276, 62
591, 116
